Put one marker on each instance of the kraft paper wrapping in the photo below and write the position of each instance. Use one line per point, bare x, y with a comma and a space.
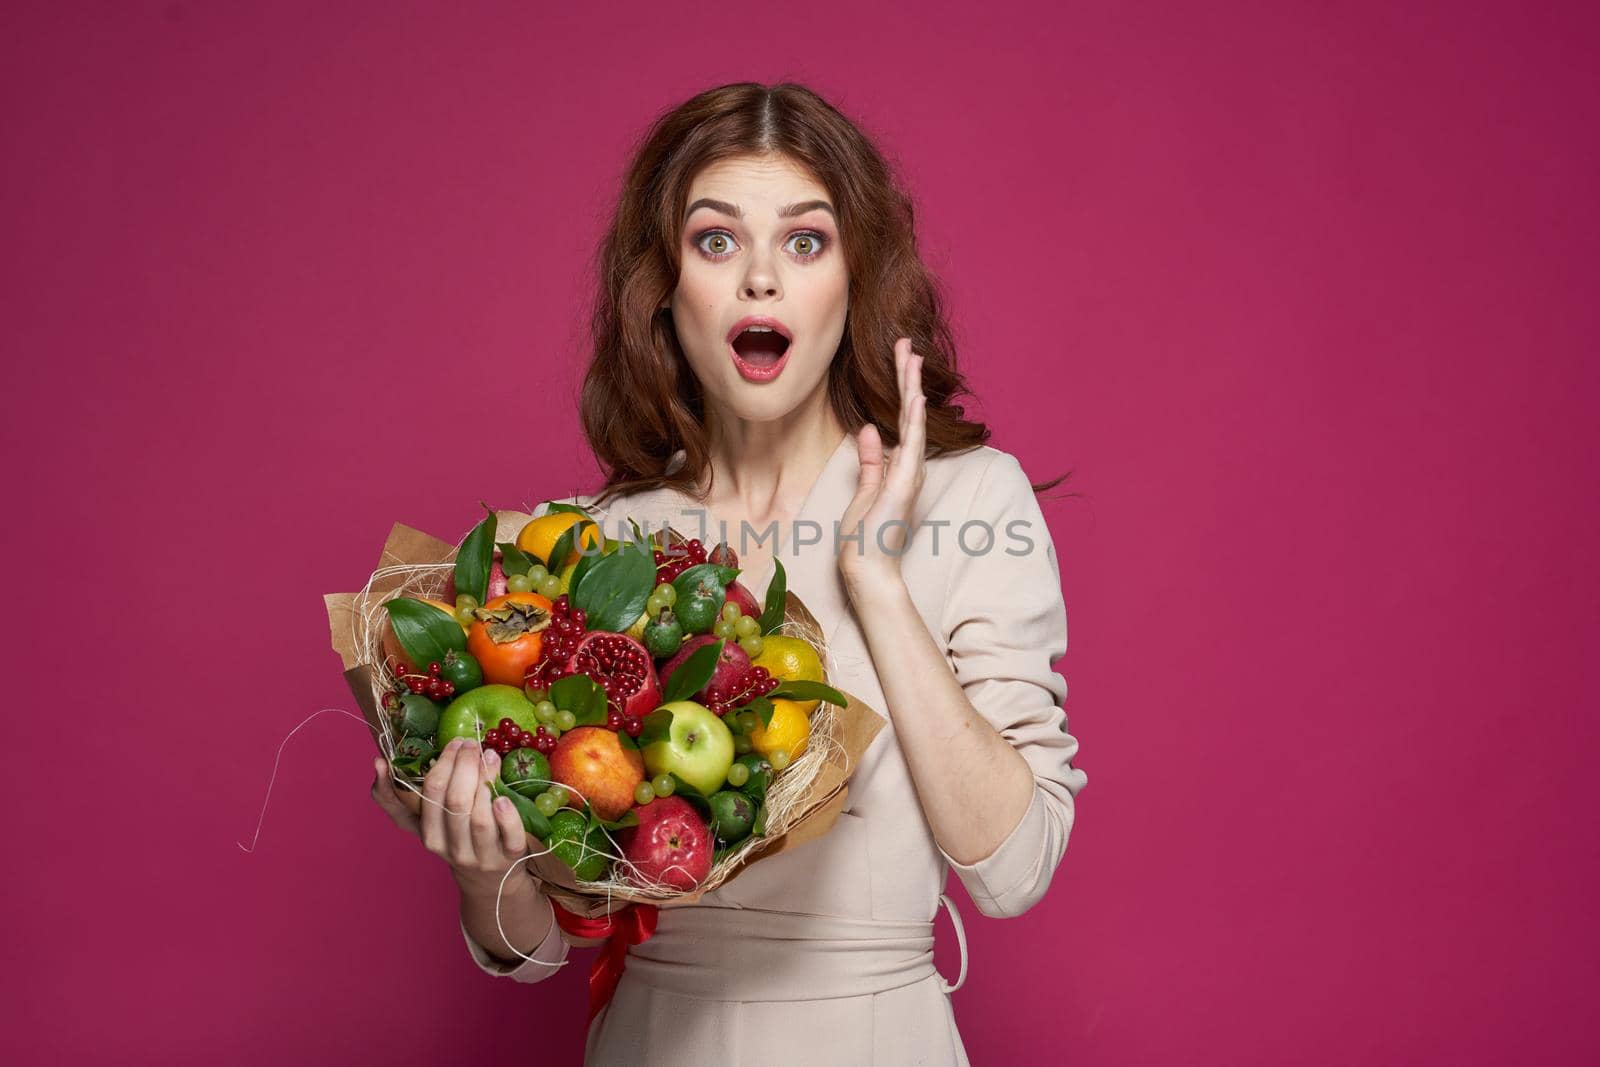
853, 726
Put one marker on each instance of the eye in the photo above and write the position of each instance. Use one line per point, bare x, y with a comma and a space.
718, 244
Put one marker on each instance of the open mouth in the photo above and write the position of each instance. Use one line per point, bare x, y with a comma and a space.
759, 353
761, 348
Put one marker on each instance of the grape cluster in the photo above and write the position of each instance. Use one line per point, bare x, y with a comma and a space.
568, 625
670, 565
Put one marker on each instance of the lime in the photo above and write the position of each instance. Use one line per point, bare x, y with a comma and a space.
586, 856
732, 815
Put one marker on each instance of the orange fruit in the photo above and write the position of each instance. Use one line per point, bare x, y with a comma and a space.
539, 537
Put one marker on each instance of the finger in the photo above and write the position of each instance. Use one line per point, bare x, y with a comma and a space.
434, 785
869, 446
485, 831
513, 837
907, 471
903, 361
466, 778
384, 793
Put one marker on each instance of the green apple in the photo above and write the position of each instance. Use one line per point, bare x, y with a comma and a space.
477, 711
697, 746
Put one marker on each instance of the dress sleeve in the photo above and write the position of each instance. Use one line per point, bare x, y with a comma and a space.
546, 960
1005, 622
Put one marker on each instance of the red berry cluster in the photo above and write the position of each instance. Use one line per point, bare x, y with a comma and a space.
680, 559
430, 684
755, 682
508, 735
631, 725
567, 627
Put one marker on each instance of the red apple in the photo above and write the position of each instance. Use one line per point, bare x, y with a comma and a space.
671, 847
599, 769
738, 594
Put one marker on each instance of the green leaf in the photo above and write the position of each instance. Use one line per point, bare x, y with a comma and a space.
629, 818
759, 827
799, 690
425, 632
558, 555
533, 819
657, 727
681, 788
407, 767
777, 590
557, 506
762, 706
693, 673
475, 558
581, 695
513, 560
615, 589
638, 534
625, 741
685, 583
585, 561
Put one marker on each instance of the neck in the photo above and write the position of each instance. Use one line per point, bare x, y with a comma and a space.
759, 468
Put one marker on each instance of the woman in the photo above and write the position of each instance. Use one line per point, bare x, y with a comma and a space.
755, 205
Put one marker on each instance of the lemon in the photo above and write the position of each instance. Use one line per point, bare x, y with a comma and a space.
540, 535
789, 729
791, 659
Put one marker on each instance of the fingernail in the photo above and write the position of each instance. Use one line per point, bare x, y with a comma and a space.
490, 756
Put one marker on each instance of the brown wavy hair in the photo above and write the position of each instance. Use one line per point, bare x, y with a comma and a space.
641, 402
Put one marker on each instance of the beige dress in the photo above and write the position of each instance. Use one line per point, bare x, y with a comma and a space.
824, 955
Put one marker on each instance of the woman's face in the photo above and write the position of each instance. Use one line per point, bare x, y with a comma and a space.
759, 240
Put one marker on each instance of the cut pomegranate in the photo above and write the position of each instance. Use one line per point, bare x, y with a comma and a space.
622, 667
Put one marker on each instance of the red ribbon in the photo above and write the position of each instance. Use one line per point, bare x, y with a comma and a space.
631, 924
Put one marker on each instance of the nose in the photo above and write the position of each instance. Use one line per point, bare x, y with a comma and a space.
761, 278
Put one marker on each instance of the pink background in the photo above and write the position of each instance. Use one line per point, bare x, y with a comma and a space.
1304, 294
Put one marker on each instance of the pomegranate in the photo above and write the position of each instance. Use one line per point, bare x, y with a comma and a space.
623, 669
733, 682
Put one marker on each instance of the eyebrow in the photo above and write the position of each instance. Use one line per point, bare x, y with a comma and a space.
788, 212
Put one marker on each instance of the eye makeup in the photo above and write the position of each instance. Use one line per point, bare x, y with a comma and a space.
819, 241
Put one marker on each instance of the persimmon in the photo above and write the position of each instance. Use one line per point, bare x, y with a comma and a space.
507, 636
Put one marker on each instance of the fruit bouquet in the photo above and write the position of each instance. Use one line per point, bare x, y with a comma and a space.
659, 730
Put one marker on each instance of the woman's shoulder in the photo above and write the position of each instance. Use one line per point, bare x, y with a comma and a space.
964, 481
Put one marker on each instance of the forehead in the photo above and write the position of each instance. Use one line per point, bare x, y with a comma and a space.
756, 181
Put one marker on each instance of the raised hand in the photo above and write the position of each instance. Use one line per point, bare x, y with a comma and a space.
887, 489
